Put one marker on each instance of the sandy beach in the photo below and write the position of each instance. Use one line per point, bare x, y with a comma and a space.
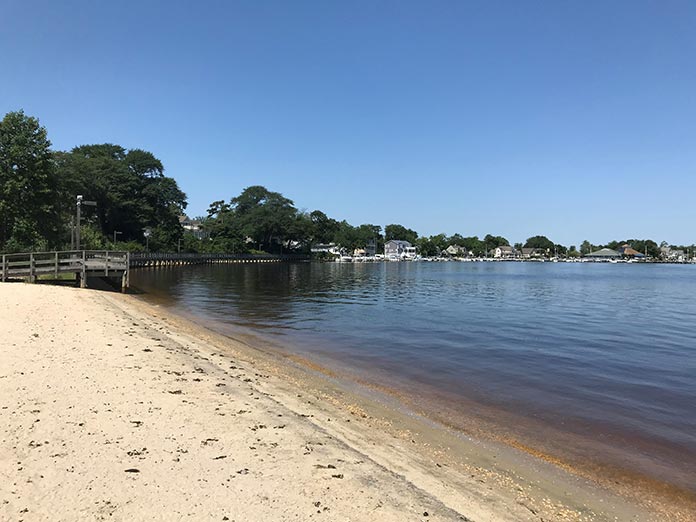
113, 409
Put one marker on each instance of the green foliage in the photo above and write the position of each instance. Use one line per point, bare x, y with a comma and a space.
323, 228
257, 219
400, 232
92, 238
350, 237
28, 185
495, 241
130, 189
540, 242
433, 245
427, 247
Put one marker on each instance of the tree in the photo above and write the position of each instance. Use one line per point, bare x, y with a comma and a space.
644, 246
29, 202
495, 241
350, 237
541, 243
427, 247
324, 228
400, 232
131, 191
264, 216
474, 244
585, 247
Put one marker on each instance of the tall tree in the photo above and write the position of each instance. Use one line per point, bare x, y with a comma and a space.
28, 185
324, 228
400, 232
131, 191
495, 241
541, 243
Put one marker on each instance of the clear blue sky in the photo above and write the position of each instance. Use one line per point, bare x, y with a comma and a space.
572, 119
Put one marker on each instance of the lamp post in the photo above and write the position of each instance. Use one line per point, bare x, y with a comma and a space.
147, 233
80, 202
116, 233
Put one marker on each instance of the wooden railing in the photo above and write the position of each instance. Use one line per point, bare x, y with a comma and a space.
81, 262
107, 263
141, 259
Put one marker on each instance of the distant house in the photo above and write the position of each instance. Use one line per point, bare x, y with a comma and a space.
531, 253
503, 251
604, 253
672, 254
628, 251
193, 226
455, 251
370, 248
399, 249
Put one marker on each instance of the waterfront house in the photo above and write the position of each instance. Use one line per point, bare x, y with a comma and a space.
371, 248
672, 254
532, 253
399, 249
455, 251
503, 252
604, 254
192, 225
628, 251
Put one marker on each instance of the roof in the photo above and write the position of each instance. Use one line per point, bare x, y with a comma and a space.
399, 242
604, 252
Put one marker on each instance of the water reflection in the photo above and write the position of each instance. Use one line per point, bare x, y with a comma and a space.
604, 344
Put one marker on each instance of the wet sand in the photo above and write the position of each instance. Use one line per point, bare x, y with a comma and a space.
115, 409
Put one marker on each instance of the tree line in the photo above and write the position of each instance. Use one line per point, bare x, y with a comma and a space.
39, 186
138, 207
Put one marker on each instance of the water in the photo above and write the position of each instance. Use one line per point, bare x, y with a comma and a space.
592, 363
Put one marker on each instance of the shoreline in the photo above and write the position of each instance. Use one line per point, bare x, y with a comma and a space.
456, 477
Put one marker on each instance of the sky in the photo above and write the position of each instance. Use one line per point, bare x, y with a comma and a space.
576, 120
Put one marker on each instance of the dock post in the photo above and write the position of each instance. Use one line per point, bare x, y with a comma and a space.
32, 269
4, 270
127, 269
83, 279
56, 266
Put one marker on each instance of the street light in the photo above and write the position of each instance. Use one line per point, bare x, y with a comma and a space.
147, 233
81, 202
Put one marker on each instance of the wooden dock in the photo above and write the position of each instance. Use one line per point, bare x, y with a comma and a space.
113, 265
154, 259
82, 263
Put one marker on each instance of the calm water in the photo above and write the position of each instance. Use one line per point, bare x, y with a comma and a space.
605, 354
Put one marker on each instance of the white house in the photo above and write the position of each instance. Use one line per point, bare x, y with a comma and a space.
397, 249
503, 251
